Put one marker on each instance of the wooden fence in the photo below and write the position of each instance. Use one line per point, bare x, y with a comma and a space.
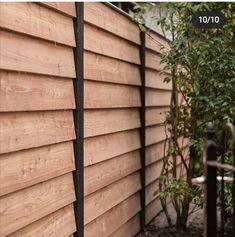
37, 127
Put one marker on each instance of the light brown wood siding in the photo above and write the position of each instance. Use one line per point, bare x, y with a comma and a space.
158, 95
37, 70
36, 121
111, 122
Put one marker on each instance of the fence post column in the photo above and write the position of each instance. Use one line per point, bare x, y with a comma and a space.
210, 186
78, 113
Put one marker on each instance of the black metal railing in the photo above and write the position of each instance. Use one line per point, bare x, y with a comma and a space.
213, 182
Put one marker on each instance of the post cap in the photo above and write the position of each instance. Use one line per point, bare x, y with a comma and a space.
210, 130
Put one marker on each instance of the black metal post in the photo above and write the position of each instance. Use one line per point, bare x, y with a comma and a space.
78, 121
210, 187
142, 130
222, 186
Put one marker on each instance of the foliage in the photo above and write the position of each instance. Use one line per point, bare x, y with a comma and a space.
176, 189
202, 66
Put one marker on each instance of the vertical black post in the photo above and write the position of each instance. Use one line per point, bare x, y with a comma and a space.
210, 187
142, 130
222, 186
78, 121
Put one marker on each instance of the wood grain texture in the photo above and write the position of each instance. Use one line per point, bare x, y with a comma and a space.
58, 224
130, 228
155, 79
112, 220
106, 18
155, 42
155, 152
99, 122
155, 134
28, 205
101, 68
156, 97
97, 149
153, 171
26, 168
107, 95
27, 130
103, 200
27, 92
67, 8
156, 115
153, 209
104, 173
38, 21
102, 42
35, 56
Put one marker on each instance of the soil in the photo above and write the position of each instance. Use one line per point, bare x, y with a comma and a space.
159, 226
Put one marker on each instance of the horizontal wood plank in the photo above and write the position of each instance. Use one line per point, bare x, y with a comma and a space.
97, 149
58, 224
102, 42
156, 97
156, 115
103, 200
153, 60
27, 92
101, 68
38, 21
155, 79
99, 122
67, 8
104, 173
155, 134
26, 168
150, 190
106, 18
27, 130
155, 152
110, 221
155, 42
106, 95
28, 205
153, 209
130, 228
35, 56
153, 172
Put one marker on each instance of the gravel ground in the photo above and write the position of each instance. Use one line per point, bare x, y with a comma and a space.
159, 226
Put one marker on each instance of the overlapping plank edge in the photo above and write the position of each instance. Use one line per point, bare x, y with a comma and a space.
37, 201
104, 173
60, 223
100, 95
105, 147
112, 120
102, 42
26, 130
105, 121
113, 219
67, 8
33, 166
21, 91
103, 200
155, 41
35, 55
106, 69
36, 131
104, 17
131, 227
47, 23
